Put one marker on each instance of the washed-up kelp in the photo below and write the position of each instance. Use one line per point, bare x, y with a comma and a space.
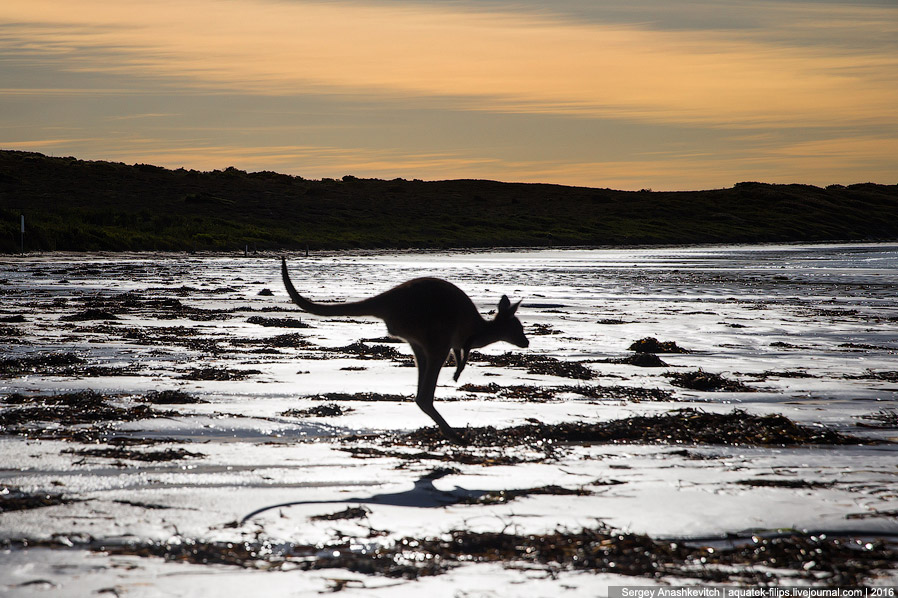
83, 407
500, 497
218, 374
705, 381
536, 364
170, 397
886, 419
549, 393
650, 344
684, 426
89, 315
347, 513
833, 561
464, 457
164, 308
640, 359
14, 499
783, 483
360, 350
361, 396
278, 322
325, 410
44, 363
133, 455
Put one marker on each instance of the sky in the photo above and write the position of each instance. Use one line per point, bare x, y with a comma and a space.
629, 94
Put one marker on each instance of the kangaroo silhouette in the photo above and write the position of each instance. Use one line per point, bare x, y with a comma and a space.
434, 317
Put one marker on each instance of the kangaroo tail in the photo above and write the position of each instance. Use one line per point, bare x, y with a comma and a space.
359, 308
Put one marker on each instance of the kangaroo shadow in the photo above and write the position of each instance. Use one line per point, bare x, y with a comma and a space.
424, 495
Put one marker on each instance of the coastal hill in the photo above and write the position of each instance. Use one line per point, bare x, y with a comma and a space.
76, 205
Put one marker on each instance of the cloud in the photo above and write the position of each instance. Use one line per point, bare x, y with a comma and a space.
473, 60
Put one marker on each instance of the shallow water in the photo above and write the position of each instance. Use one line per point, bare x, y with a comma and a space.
758, 315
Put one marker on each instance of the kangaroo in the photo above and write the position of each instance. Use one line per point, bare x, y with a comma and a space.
434, 317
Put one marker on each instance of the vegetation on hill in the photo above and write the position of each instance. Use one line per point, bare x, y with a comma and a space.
75, 205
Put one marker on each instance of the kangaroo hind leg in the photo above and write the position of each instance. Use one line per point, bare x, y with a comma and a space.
429, 366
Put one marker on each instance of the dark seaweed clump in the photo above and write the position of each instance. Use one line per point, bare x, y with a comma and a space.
360, 350
89, 315
218, 374
170, 397
347, 513
707, 381
817, 558
500, 497
683, 426
886, 376
133, 455
542, 394
643, 360
278, 322
13, 499
325, 410
884, 419
755, 560
361, 396
14, 319
537, 364
38, 364
84, 407
781, 483
650, 344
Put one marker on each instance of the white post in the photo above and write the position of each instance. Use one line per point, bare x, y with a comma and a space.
23, 233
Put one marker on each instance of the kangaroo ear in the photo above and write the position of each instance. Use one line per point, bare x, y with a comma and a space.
504, 304
506, 308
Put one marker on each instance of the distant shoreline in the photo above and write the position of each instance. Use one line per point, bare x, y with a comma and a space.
76, 205
275, 254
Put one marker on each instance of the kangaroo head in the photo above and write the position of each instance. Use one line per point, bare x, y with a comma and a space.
508, 325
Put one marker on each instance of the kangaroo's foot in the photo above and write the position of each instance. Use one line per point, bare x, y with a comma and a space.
453, 436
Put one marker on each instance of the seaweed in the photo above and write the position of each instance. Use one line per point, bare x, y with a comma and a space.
542, 330
536, 364
360, 350
39, 364
785, 374
284, 341
278, 322
781, 483
500, 497
89, 315
326, 410
218, 374
453, 456
639, 359
683, 426
347, 513
650, 344
14, 499
83, 407
170, 397
886, 376
884, 419
759, 559
361, 396
549, 393
706, 381
132, 455
616, 392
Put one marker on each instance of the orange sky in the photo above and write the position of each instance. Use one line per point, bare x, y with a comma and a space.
638, 97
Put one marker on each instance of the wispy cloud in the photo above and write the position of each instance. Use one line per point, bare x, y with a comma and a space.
494, 61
